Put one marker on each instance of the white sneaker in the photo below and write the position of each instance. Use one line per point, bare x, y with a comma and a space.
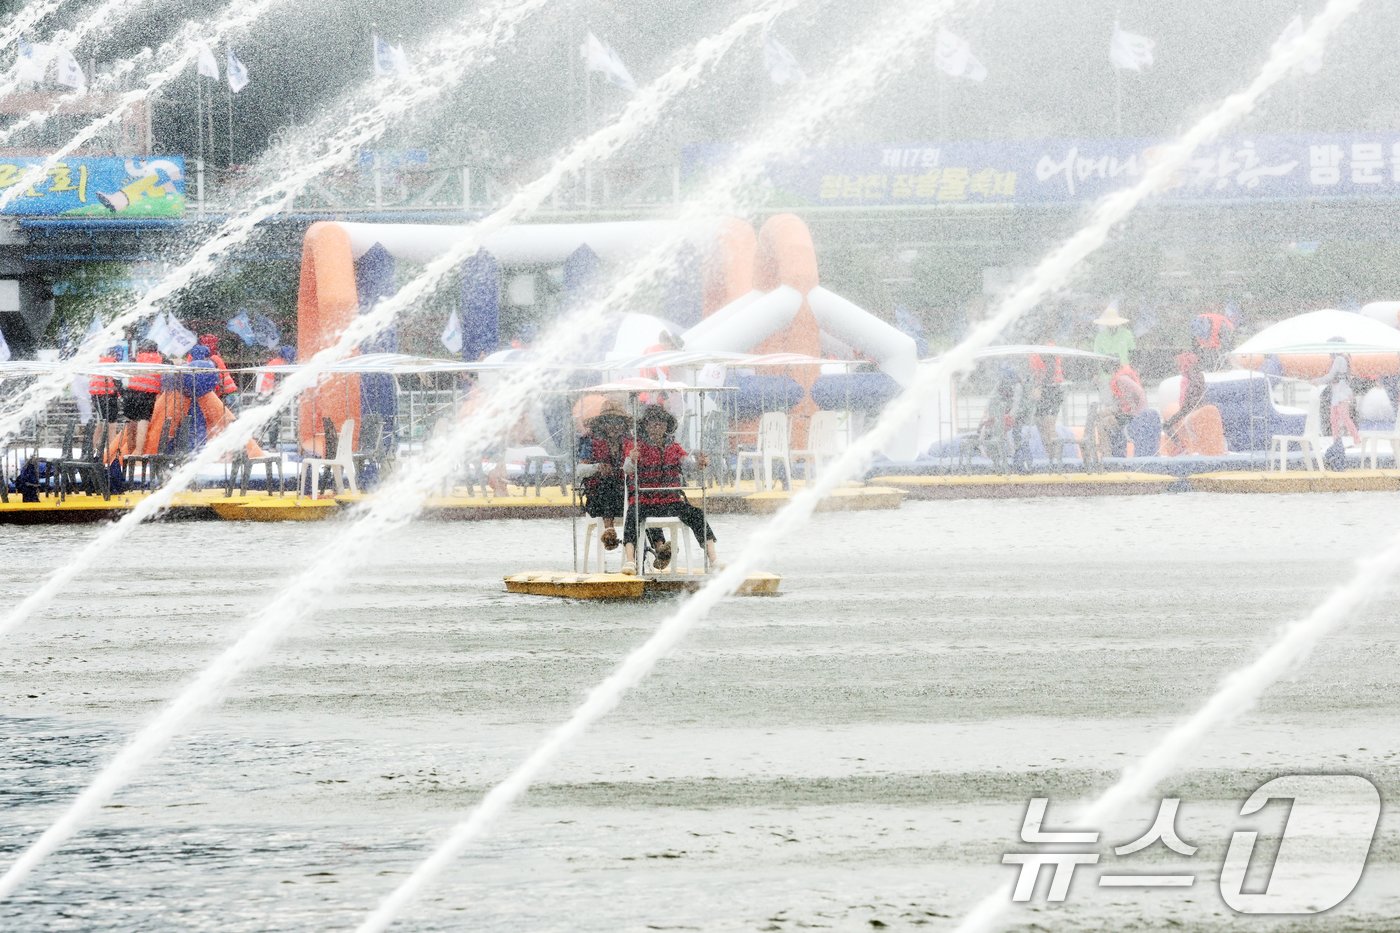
629, 569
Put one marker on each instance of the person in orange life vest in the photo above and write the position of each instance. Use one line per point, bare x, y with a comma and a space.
106, 401
1215, 338
656, 462
1047, 391
1193, 392
600, 472
226, 384
139, 398
1121, 399
1337, 379
267, 382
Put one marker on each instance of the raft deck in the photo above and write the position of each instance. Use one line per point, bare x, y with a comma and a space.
570, 585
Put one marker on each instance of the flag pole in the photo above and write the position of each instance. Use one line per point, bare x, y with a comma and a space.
1118, 99
942, 106
1117, 77
199, 115
587, 131
230, 126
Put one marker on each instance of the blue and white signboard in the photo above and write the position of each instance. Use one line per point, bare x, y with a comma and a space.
97, 186
1069, 170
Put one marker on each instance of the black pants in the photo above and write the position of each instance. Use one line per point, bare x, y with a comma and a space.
689, 515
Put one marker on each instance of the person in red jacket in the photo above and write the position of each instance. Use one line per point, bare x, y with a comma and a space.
1215, 338
226, 384
106, 401
656, 461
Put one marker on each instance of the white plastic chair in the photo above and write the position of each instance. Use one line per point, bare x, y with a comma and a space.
680, 538
593, 541
1371, 444
772, 445
342, 466
1312, 442
825, 441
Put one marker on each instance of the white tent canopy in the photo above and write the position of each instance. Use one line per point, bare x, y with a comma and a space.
1314, 332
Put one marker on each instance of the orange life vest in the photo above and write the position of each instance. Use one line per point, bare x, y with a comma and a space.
149, 381
103, 384
226, 384
267, 382
1219, 325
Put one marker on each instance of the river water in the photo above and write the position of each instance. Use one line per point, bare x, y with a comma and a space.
854, 754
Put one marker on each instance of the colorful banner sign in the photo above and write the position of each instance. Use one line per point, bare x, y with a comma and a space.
1070, 170
98, 186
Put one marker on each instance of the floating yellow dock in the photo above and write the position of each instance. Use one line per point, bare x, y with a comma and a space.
50, 510
570, 585
1023, 486
1294, 481
264, 508
852, 498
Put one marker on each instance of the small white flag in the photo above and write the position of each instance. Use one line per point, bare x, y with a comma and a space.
70, 73
1129, 50
599, 57
205, 62
389, 60
179, 339
33, 61
4, 348
954, 57
1312, 62
159, 332
237, 73
782, 66
452, 333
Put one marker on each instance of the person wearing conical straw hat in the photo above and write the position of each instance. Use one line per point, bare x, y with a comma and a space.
1113, 339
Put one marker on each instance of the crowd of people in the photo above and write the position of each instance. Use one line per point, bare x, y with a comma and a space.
1030, 394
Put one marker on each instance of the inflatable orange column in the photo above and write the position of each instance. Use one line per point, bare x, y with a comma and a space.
786, 257
727, 269
327, 302
171, 406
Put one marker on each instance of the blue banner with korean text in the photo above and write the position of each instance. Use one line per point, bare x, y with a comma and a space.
1071, 170
98, 186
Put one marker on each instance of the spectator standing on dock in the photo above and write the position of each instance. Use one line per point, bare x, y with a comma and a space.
139, 397
267, 381
1113, 338
1214, 335
1337, 379
106, 400
1047, 395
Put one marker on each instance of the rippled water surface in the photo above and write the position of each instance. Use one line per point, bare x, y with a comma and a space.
853, 754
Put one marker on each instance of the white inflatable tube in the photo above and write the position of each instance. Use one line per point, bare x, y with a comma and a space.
520, 245
894, 351
1387, 312
746, 321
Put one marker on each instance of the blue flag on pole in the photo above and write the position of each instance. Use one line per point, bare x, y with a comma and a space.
241, 326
